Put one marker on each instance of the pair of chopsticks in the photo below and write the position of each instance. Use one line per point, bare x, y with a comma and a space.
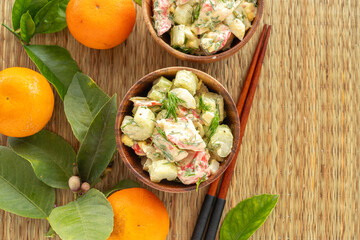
243, 106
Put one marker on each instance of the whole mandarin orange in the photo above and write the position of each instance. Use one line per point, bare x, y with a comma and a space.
100, 24
138, 214
26, 102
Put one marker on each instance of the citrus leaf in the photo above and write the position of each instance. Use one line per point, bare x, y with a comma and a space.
22, 192
138, 2
123, 184
90, 217
51, 18
51, 233
51, 157
243, 220
82, 102
22, 6
27, 27
55, 63
99, 144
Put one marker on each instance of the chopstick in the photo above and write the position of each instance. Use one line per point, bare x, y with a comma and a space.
243, 107
220, 201
211, 195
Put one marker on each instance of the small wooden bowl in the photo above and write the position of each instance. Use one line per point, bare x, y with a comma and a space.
141, 88
235, 46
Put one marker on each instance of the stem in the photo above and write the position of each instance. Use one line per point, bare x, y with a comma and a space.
75, 196
75, 170
12, 31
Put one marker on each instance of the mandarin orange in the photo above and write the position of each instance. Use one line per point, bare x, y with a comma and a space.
100, 24
26, 102
138, 214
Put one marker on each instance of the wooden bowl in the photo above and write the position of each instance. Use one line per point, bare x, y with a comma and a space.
140, 88
165, 43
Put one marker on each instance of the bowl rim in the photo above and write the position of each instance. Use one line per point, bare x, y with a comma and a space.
121, 147
203, 59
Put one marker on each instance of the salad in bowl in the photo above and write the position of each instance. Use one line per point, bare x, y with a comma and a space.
203, 27
177, 129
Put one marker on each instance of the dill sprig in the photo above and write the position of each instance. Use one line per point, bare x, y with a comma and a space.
214, 125
130, 122
196, 12
163, 149
162, 133
171, 104
184, 49
202, 106
200, 180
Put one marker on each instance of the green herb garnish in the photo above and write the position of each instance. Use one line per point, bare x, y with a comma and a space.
212, 5
200, 180
192, 143
255, 2
171, 104
162, 133
189, 173
177, 180
196, 12
174, 133
213, 125
130, 122
202, 106
163, 148
184, 49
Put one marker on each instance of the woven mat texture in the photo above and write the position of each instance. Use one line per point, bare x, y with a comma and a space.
303, 135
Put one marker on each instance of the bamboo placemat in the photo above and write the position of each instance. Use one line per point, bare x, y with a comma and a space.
303, 135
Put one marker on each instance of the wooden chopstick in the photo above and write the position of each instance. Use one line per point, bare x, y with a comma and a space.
244, 116
243, 94
220, 201
210, 197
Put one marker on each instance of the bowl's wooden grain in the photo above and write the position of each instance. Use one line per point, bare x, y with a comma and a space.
141, 87
235, 46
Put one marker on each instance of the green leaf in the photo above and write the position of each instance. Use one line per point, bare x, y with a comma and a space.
51, 157
51, 233
56, 64
99, 144
22, 6
82, 102
138, 2
123, 184
27, 27
51, 18
89, 217
22, 192
243, 220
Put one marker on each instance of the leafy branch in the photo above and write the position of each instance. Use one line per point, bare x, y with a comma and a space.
32, 17
45, 160
16, 33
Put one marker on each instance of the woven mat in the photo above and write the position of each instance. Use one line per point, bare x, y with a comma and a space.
302, 139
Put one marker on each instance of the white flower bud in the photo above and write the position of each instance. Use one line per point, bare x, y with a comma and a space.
74, 183
85, 187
